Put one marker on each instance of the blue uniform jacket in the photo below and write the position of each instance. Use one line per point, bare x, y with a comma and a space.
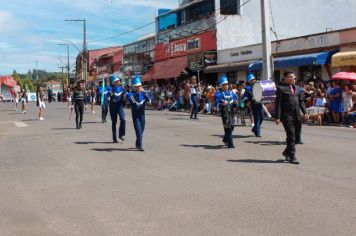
228, 96
248, 94
138, 102
116, 94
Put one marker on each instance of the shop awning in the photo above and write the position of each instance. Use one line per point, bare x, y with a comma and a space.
344, 76
8, 81
321, 58
227, 67
170, 68
344, 59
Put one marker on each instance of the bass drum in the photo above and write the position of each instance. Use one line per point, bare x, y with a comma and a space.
264, 91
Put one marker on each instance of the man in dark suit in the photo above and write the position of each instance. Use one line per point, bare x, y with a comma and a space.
288, 105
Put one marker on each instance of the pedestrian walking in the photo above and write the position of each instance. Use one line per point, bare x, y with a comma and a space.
78, 101
16, 100
138, 100
40, 103
23, 100
194, 96
226, 101
256, 107
288, 105
117, 102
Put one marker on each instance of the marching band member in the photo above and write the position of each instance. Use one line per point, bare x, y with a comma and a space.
194, 95
256, 107
226, 101
117, 95
138, 100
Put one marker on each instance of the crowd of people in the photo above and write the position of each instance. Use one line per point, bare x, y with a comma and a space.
328, 102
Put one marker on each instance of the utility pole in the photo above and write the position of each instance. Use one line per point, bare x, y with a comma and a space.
62, 67
84, 52
68, 67
266, 41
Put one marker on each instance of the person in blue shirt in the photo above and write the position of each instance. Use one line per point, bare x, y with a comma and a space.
256, 107
226, 101
103, 100
117, 95
138, 100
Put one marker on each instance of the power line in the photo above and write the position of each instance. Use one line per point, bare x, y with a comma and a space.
153, 22
273, 24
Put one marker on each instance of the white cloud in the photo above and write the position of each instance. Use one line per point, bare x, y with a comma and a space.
9, 24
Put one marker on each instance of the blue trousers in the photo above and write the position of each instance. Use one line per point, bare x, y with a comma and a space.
139, 125
194, 98
117, 108
257, 112
104, 111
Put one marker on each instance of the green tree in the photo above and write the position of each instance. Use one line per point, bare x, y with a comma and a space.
17, 79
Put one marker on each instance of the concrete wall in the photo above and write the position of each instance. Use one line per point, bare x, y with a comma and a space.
292, 18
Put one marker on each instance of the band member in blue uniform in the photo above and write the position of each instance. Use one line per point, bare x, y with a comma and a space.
194, 96
117, 97
103, 100
256, 107
226, 101
138, 100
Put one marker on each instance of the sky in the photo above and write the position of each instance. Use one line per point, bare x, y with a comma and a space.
30, 30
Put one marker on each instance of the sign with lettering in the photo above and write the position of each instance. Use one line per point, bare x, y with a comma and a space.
310, 42
240, 54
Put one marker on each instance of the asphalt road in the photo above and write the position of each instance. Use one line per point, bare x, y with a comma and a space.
56, 180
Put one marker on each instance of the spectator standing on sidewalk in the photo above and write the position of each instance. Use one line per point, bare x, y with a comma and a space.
346, 104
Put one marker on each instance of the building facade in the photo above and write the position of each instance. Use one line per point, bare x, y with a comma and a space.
238, 26
138, 57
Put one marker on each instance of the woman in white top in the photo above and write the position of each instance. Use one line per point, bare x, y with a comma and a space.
40, 103
346, 101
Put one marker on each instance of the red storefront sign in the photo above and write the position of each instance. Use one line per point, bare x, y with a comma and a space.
183, 47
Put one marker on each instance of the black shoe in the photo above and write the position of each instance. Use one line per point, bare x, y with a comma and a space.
258, 136
224, 142
298, 142
115, 141
122, 138
286, 155
80, 126
77, 127
231, 146
294, 161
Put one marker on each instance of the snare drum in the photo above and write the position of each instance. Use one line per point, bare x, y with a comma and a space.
264, 91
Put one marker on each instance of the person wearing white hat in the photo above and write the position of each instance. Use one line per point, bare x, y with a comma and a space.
226, 100
256, 107
138, 100
117, 95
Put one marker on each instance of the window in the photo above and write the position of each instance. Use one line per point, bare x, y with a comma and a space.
230, 7
193, 44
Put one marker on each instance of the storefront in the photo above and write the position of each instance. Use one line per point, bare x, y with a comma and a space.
182, 58
309, 57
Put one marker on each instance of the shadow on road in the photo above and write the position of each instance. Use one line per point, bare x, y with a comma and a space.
63, 128
91, 122
257, 161
266, 143
91, 142
29, 120
234, 136
115, 149
210, 147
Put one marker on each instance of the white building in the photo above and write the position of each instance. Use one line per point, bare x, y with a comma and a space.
238, 25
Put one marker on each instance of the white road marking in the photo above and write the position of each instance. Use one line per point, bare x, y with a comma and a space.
20, 124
